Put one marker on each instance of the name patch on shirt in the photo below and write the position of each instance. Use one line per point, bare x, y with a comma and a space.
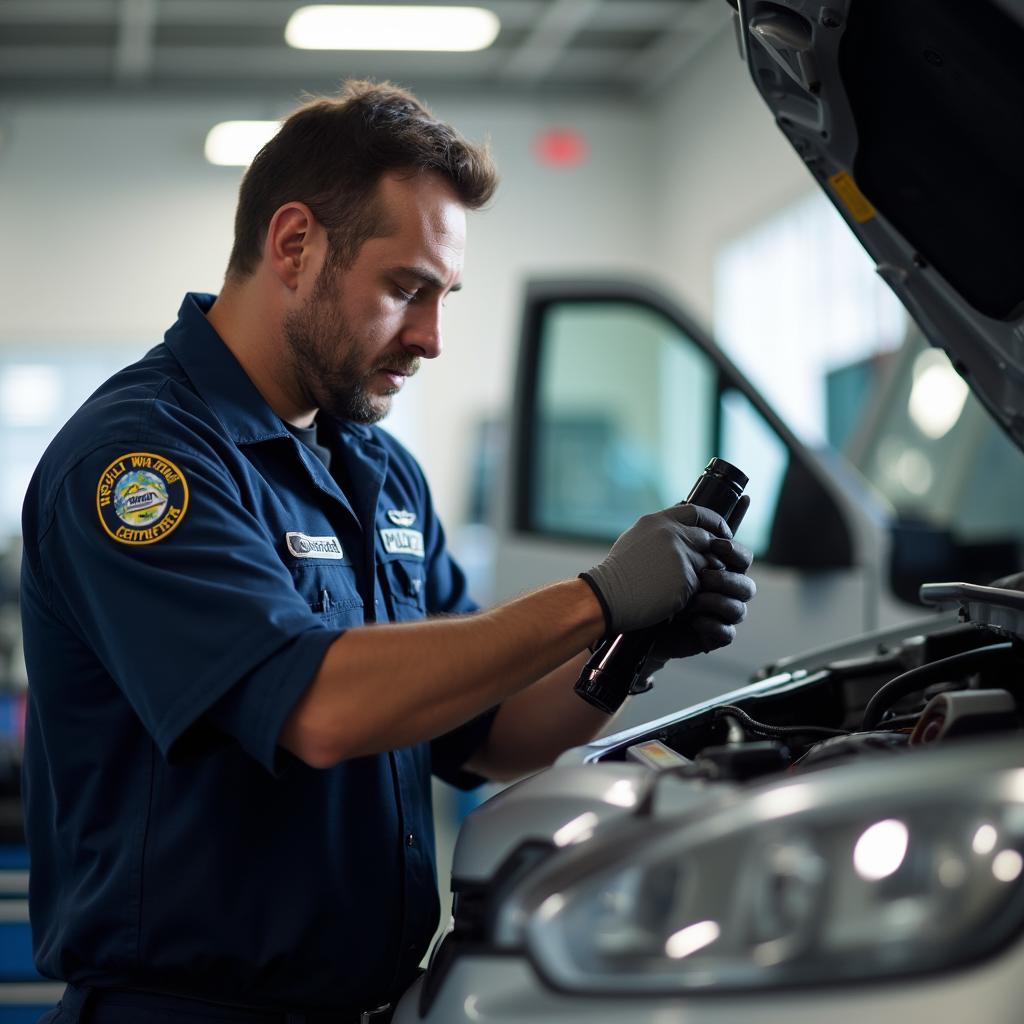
141, 498
301, 545
402, 542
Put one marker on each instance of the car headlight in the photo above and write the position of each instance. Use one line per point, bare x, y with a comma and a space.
873, 870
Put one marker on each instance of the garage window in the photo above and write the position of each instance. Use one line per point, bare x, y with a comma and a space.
799, 308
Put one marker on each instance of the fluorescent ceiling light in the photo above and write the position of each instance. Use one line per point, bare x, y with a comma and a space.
235, 143
391, 27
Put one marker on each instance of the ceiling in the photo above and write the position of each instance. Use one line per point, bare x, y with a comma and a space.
625, 48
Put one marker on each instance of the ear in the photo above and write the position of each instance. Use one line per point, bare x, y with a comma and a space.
295, 245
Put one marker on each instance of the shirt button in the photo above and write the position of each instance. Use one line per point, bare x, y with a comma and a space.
410, 840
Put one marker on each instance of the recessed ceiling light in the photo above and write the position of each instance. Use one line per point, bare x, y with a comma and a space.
235, 143
391, 27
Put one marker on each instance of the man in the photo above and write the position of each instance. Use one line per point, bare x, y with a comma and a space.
227, 762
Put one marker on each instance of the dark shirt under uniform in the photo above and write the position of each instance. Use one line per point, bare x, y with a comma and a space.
187, 564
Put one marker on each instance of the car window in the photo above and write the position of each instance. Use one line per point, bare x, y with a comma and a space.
629, 409
748, 441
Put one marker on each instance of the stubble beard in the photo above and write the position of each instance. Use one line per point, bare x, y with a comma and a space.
326, 361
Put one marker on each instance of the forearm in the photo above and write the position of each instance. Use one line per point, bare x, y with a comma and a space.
536, 725
384, 687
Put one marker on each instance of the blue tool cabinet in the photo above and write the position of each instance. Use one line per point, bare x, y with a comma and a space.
24, 995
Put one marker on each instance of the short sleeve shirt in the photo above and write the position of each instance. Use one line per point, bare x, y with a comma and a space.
187, 564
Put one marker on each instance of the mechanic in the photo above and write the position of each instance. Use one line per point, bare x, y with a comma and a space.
228, 751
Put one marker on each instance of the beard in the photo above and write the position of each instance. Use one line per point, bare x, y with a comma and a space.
328, 360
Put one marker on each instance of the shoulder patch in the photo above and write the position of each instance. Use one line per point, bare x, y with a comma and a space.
141, 498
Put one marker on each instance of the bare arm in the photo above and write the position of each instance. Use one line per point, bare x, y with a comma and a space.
533, 727
384, 687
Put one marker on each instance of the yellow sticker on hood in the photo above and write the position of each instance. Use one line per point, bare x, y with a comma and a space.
851, 196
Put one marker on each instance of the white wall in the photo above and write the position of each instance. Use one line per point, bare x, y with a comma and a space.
724, 166
109, 213
596, 218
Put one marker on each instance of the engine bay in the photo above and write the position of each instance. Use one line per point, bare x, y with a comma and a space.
925, 689
885, 696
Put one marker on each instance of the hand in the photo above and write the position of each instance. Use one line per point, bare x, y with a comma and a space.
652, 570
710, 619
739, 511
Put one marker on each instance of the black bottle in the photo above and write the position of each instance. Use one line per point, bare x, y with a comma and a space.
615, 670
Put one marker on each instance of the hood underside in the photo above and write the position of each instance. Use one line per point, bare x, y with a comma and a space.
910, 116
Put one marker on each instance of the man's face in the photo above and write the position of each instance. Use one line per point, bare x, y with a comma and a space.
364, 329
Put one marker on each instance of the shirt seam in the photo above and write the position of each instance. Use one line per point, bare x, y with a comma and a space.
143, 846
144, 435
52, 500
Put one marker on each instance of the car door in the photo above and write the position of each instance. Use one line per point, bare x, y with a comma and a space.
621, 400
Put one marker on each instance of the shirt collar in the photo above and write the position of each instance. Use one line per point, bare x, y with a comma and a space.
224, 385
218, 376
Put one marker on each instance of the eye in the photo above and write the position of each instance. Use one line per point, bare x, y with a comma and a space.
402, 294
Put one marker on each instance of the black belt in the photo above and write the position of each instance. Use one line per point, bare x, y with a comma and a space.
101, 1004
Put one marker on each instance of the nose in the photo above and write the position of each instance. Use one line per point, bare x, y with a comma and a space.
422, 330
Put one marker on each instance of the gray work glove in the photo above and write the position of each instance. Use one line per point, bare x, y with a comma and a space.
710, 619
653, 569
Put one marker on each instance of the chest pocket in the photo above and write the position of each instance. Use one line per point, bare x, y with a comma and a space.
331, 592
407, 586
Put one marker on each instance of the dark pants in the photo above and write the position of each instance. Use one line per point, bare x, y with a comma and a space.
99, 1006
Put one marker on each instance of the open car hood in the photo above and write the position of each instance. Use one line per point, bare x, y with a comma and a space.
910, 116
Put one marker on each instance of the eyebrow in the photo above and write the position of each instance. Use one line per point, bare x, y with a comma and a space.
427, 276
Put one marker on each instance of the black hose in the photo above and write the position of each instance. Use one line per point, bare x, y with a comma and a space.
763, 729
735, 733
924, 675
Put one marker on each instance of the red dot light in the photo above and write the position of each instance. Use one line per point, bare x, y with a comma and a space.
561, 147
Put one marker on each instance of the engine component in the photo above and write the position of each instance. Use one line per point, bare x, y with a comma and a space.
936, 671
654, 754
764, 729
965, 713
744, 761
839, 748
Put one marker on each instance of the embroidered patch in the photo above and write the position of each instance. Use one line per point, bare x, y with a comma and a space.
301, 545
141, 498
401, 517
403, 542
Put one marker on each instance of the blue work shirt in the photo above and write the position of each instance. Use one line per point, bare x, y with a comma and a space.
187, 564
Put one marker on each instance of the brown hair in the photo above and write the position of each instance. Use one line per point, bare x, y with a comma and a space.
331, 153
